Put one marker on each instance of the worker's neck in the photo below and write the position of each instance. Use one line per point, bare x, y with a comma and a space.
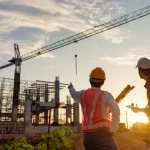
145, 77
95, 87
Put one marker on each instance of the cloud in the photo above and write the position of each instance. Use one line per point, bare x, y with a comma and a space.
51, 6
116, 35
44, 22
36, 41
130, 58
99, 11
51, 16
49, 66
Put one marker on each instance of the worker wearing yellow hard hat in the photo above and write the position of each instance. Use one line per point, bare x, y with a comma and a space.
97, 127
143, 66
98, 73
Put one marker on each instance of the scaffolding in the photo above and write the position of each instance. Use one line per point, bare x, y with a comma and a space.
39, 91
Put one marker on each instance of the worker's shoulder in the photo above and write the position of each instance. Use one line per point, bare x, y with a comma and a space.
107, 95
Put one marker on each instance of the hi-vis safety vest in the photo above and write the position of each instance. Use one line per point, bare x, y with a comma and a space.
91, 103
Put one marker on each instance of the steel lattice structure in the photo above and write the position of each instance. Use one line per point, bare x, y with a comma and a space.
28, 89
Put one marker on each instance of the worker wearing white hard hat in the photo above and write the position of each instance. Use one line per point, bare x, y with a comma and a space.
143, 66
143, 63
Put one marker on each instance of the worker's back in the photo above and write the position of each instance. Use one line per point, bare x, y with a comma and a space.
97, 129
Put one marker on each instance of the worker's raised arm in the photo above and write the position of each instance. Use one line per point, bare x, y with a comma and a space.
74, 94
115, 110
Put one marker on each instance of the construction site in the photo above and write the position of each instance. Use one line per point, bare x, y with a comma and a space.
29, 108
35, 100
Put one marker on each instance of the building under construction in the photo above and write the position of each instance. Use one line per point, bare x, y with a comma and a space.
38, 105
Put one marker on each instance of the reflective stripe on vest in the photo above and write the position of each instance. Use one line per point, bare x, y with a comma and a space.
93, 106
89, 123
84, 108
91, 127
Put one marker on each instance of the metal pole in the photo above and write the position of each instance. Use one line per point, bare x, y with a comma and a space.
127, 118
49, 122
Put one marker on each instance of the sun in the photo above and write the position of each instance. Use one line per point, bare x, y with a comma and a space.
140, 117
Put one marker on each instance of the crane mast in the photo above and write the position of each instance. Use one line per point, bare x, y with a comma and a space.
17, 61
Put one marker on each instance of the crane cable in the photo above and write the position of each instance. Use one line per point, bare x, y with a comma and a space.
76, 63
6, 55
75, 56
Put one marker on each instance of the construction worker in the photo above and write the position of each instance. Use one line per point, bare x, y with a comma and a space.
96, 105
143, 66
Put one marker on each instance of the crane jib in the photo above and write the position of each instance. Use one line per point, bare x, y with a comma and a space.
88, 33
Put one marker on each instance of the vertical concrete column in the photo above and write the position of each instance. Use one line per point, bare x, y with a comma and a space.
14, 112
46, 100
56, 100
1, 96
28, 113
68, 111
76, 113
37, 100
28, 94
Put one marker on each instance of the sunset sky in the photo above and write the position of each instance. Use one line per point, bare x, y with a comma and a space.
35, 23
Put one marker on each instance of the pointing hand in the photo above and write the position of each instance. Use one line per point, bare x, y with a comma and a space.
70, 85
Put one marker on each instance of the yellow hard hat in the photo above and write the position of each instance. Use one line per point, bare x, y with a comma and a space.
98, 73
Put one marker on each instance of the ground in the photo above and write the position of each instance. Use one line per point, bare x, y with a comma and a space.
125, 141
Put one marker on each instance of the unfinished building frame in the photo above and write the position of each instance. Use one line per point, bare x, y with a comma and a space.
37, 91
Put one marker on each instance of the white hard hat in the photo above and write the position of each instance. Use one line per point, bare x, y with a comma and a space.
143, 63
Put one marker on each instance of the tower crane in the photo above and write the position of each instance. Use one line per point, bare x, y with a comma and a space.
67, 41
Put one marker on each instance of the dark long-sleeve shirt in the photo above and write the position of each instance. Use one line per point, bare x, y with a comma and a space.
147, 86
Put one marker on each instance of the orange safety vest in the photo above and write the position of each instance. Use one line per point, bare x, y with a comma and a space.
91, 103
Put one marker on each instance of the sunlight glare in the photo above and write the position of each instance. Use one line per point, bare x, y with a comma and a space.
140, 117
